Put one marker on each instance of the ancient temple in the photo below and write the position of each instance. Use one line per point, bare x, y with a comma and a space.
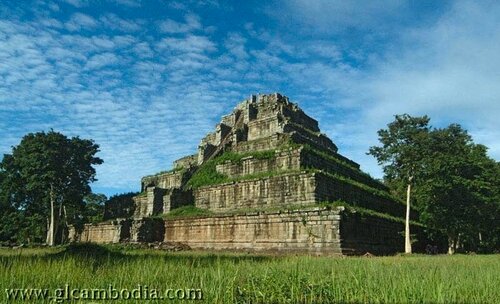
265, 179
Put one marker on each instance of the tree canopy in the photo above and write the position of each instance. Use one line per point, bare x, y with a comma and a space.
459, 192
402, 144
120, 206
456, 183
46, 175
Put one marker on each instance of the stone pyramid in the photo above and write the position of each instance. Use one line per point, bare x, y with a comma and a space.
266, 154
265, 179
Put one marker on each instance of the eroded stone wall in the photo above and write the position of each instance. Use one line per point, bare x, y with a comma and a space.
267, 143
283, 190
283, 160
115, 231
292, 189
141, 205
150, 202
331, 189
175, 198
314, 230
312, 160
166, 180
146, 230
186, 161
295, 159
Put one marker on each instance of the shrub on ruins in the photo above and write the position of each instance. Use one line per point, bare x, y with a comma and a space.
44, 181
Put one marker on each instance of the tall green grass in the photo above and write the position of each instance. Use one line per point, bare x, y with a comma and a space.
251, 278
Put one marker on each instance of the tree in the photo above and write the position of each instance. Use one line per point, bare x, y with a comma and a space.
120, 206
459, 192
94, 207
457, 184
401, 156
92, 211
19, 211
47, 174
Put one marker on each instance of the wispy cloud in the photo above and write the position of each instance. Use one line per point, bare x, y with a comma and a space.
96, 86
114, 22
79, 22
130, 3
148, 87
77, 3
191, 23
446, 69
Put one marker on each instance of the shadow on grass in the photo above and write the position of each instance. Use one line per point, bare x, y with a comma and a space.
97, 255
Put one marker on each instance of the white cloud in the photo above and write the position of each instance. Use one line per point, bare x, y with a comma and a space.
188, 44
101, 60
77, 3
51, 22
116, 23
79, 21
130, 3
448, 71
131, 107
192, 23
327, 16
137, 91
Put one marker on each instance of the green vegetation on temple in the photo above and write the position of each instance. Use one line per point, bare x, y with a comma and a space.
208, 175
187, 211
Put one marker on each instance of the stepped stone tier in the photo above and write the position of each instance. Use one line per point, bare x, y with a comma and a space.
265, 179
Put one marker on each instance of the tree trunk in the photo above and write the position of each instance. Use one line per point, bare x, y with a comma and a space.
48, 229
64, 228
407, 221
57, 229
52, 224
452, 244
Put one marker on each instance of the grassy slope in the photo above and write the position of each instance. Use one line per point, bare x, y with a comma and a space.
244, 278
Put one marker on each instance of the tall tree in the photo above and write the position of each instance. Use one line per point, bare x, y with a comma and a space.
458, 185
459, 192
48, 173
401, 156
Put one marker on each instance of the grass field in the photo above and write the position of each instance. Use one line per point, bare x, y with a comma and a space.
249, 278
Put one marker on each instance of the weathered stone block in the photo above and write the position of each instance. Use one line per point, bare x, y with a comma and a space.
273, 231
288, 189
147, 230
115, 231
175, 198
149, 203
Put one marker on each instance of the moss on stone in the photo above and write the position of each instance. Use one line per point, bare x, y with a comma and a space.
208, 175
187, 211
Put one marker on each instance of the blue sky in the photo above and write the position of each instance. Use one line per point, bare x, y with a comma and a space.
148, 79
